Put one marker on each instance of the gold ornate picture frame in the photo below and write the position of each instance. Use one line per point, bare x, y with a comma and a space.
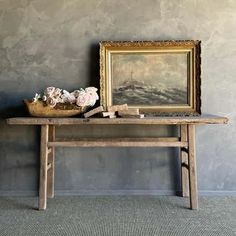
158, 77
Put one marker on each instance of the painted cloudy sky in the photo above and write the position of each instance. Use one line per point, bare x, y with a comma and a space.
164, 71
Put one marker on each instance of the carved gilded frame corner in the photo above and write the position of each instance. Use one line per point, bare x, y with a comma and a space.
192, 49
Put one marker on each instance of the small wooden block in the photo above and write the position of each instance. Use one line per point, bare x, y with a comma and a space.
94, 111
130, 111
108, 113
140, 116
115, 108
112, 116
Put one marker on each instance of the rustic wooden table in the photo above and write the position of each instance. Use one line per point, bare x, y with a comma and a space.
185, 141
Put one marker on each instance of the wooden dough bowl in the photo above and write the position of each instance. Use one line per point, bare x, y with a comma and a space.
40, 109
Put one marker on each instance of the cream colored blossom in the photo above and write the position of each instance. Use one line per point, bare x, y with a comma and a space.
68, 97
49, 91
56, 92
51, 102
87, 97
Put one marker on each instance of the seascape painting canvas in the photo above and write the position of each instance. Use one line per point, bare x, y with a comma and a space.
149, 79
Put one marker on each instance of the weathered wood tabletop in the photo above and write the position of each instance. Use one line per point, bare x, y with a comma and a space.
203, 119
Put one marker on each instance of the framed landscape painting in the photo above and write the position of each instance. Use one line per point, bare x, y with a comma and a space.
158, 77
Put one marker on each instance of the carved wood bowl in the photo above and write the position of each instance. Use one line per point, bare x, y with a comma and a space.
40, 109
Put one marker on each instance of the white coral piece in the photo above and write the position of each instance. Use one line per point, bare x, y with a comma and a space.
51, 102
49, 91
68, 97
81, 97
57, 92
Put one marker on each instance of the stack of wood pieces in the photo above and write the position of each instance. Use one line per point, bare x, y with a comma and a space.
95, 111
115, 111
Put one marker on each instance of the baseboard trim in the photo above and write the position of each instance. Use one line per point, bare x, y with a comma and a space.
217, 193
25, 193
114, 193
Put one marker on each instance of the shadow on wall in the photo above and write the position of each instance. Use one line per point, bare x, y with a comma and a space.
94, 68
12, 106
11, 103
94, 73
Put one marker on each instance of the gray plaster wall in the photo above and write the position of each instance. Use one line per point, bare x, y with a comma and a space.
55, 42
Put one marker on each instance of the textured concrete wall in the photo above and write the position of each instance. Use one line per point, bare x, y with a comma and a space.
55, 42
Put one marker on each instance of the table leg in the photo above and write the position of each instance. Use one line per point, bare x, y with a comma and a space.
184, 162
192, 168
43, 167
51, 163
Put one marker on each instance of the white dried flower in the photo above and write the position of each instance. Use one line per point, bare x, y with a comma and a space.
68, 97
87, 97
49, 91
60, 100
36, 97
91, 89
52, 95
57, 92
76, 93
51, 102
81, 97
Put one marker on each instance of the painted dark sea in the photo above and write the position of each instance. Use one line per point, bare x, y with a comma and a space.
150, 79
139, 94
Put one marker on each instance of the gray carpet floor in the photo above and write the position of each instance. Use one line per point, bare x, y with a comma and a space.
118, 215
